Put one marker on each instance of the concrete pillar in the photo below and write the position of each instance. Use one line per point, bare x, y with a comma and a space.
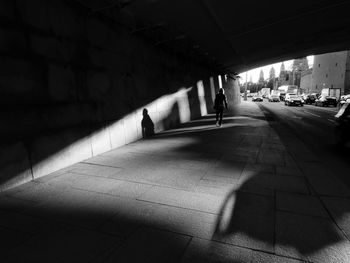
232, 91
223, 81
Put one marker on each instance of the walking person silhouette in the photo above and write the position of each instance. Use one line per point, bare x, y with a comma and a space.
219, 105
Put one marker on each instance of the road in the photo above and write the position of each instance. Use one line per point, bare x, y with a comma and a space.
315, 127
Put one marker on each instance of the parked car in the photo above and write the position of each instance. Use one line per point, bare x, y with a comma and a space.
325, 101
310, 98
282, 96
257, 98
343, 100
293, 99
274, 98
342, 129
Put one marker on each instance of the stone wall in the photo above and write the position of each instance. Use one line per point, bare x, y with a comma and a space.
74, 85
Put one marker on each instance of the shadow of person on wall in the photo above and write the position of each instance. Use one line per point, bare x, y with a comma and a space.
147, 124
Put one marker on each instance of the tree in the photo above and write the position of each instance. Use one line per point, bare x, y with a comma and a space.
270, 84
261, 76
272, 73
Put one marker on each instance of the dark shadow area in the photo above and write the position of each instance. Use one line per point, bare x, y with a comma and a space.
194, 102
173, 119
73, 232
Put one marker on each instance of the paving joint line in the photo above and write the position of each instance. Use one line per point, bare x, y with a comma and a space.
253, 249
301, 214
102, 165
274, 220
174, 206
181, 257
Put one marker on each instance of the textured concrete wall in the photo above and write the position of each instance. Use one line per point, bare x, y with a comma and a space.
74, 85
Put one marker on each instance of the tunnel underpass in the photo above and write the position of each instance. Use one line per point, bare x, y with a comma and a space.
109, 149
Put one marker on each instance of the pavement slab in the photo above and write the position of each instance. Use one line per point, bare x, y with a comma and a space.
288, 170
260, 257
40, 192
150, 245
13, 239
246, 220
271, 156
62, 243
95, 170
170, 177
309, 238
339, 209
258, 167
328, 185
21, 222
215, 187
78, 207
247, 231
271, 181
10, 203
300, 204
129, 216
182, 221
101, 185
201, 250
184, 199
229, 169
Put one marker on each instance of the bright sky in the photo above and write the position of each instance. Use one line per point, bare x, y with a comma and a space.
254, 73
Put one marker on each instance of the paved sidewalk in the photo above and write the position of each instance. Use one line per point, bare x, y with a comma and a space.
247, 192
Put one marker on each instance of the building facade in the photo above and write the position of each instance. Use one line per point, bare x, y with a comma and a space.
331, 70
306, 81
293, 76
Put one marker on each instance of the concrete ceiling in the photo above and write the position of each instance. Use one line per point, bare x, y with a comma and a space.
237, 35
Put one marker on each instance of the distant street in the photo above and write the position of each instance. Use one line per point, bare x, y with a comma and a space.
315, 127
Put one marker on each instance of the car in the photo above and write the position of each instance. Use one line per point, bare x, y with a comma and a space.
325, 101
257, 98
282, 96
310, 98
293, 99
343, 100
342, 128
274, 98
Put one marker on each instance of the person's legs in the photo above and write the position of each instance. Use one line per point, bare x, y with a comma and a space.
221, 113
217, 117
